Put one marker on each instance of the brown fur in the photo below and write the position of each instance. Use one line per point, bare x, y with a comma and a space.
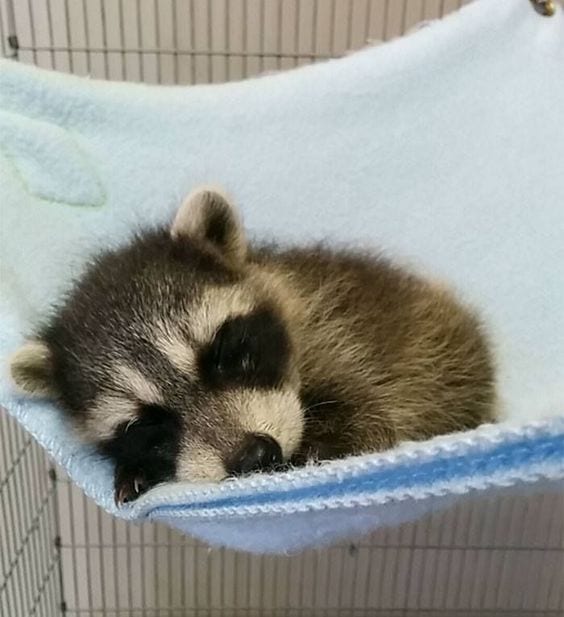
383, 355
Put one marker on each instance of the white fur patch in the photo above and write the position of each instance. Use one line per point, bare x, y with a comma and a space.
217, 305
130, 379
107, 413
277, 413
170, 341
200, 463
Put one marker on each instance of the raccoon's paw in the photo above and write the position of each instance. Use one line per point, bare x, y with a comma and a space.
129, 484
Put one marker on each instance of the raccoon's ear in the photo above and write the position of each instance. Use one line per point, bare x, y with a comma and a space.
31, 368
208, 215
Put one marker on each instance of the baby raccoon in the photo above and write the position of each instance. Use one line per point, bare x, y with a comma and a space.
189, 354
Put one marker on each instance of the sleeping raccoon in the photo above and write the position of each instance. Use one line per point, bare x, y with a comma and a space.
189, 354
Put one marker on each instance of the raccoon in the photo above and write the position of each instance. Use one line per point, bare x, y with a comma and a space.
192, 354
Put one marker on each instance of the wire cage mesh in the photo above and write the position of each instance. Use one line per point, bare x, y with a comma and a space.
29, 550
194, 41
61, 555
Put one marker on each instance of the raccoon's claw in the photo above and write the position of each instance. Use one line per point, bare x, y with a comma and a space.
128, 486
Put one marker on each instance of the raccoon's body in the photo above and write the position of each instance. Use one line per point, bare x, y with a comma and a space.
189, 354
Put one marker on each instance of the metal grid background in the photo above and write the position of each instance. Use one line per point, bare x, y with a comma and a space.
193, 41
29, 549
61, 555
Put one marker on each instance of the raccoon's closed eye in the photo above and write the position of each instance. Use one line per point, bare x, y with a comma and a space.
232, 350
249, 350
153, 415
154, 429
150, 417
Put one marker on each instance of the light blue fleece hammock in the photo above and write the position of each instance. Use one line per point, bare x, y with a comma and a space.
446, 148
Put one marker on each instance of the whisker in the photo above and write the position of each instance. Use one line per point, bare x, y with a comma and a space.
319, 405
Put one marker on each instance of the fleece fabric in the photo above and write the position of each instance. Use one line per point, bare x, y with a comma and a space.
443, 149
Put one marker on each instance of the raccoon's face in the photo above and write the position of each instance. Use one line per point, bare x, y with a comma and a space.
173, 357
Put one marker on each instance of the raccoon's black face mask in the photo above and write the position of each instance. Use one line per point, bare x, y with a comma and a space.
172, 355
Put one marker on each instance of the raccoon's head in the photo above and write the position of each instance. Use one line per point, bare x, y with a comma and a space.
173, 356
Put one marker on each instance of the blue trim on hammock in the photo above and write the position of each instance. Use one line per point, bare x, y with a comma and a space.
547, 449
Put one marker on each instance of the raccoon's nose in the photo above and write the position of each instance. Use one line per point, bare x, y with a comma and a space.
257, 453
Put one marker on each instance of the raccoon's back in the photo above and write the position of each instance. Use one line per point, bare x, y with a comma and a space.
405, 359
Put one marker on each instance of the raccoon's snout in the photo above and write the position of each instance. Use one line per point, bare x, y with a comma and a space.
258, 452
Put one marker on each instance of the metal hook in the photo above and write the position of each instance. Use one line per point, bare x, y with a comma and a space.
544, 7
